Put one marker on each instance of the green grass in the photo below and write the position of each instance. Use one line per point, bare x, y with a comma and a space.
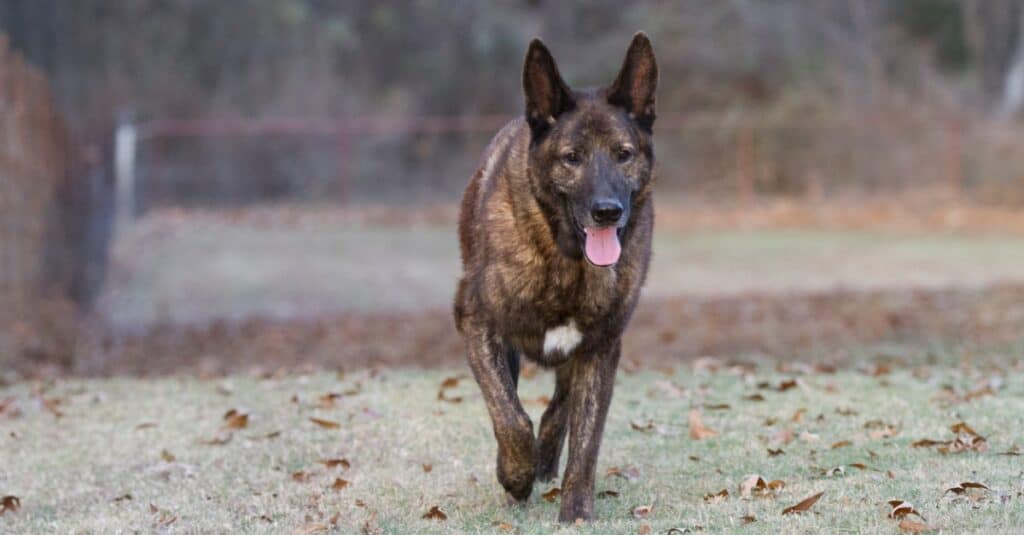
68, 471
195, 271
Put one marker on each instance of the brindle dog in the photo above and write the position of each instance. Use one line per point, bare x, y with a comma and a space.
555, 231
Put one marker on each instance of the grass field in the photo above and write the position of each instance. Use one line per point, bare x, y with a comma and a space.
121, 455
194, 270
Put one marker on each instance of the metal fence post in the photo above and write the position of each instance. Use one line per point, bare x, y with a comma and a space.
125, 139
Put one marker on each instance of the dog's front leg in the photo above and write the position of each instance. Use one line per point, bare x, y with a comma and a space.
488, 358
551, 434
593, 377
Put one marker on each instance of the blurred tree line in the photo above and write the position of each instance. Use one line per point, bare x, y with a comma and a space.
319, 58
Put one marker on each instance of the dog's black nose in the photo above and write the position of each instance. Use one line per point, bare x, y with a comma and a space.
606, 211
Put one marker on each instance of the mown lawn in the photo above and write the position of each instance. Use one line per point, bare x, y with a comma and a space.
121, 455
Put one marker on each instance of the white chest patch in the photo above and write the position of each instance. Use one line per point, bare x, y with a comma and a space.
563, 338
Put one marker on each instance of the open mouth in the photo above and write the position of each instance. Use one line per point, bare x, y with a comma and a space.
602, 246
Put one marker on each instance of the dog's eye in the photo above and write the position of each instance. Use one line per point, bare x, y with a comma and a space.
623, 154
572, 158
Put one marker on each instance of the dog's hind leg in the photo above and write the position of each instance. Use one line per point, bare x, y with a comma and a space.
551, 434
593, 377
490, 362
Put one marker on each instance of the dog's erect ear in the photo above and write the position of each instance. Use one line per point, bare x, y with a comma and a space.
547, 96
634, 88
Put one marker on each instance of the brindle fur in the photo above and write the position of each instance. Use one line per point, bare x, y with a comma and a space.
524, 271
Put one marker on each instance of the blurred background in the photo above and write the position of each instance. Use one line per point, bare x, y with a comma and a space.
207, 187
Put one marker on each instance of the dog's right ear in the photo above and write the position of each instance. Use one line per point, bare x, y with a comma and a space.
547, 96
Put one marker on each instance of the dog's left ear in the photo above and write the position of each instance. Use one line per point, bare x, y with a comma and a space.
633, 90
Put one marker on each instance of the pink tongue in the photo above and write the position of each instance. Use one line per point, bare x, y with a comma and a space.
602, 246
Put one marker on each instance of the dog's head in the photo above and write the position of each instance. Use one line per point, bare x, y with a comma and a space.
591, 152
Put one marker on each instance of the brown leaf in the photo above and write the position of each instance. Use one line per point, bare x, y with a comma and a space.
334, 463
841, 444
145, 425
122, 498
910, 526
9, 504
441, 396
962, 488
786, 385
754, 397
607, 494
503, 526
755, 485
717, 406
641, 511
717, 497
775, 453
339, 484
427, 467
552, 494
328, 424
435, 513
846, 412
698, 431
301, 477
798, 416
928, 443
803, 506
167, 456
645, 427
901, 509
644, 529
451, 382
747, 519
233, 419
628, 473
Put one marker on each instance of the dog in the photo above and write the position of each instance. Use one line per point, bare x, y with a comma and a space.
555, 234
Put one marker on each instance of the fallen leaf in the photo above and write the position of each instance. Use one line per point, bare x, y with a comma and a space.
300, 476
629, 473
450, 382
167, 456
608, 494
717, 497
754, 397
841, 444
552, 494
717, 406
698, 431
427, 467
786, 385
122, 498
641, 511
807, 436
9, 504
339, 484
328, 424
145, 425
334, 463
234, 419
645, 427
910, 526
645, 529
442, 397
803, 506
218, 440
503, 526
748, 519
755, 485
775, 453
798, 416
962, 488
435, 513
901, 509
